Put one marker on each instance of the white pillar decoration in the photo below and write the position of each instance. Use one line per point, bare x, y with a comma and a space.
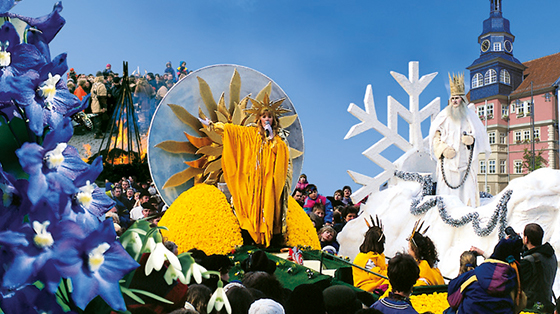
413, 116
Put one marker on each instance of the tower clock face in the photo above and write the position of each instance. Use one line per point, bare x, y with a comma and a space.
508, 45
485, 45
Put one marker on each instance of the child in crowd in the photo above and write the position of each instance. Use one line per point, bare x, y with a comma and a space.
372, 258
403, 272
336, 199
327, 236
302, 182
316, 220
491, 287
313, 197
319, 210
467, 262
350, 212
347, 213
346, 192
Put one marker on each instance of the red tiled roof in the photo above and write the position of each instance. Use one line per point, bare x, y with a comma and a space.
543, 72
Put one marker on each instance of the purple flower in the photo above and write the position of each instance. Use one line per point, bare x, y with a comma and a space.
53, 166
31, 299
104, 263
48, 253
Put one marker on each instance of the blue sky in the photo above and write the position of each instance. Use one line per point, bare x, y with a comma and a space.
322, 53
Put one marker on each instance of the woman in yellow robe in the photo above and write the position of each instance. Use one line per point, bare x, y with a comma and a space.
255, 164
372, 258
424, 251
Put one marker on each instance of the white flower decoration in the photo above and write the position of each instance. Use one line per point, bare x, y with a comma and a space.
54, 158
43, 238
48, 87
218, 300
158, 256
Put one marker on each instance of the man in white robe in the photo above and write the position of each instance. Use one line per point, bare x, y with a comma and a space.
455, 134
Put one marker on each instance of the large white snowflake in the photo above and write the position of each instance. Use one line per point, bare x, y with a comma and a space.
413, 116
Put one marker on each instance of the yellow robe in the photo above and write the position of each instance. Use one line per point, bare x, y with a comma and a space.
255, 171
429, 276
374, 262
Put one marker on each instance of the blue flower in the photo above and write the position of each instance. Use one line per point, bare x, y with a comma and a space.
31, 299
43, 250
104, 263
53, 166
43, 29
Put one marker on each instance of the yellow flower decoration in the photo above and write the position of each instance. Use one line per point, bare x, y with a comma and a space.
300, 230
202, 218
435, 302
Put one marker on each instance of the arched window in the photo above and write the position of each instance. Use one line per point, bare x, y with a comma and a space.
477, 80
490, 77
505, 78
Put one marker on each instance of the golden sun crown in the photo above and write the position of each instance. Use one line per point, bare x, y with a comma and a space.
457, 84
265, 105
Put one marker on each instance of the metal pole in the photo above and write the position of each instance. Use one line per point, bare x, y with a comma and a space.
532, 130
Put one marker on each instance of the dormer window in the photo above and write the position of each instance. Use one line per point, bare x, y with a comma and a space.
490, 77
477, 80
505, 77
497, 47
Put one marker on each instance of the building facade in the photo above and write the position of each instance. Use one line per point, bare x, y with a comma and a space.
503, 90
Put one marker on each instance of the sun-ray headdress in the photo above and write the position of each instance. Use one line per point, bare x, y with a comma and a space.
417, 229
457, 84
375, 224
273, 107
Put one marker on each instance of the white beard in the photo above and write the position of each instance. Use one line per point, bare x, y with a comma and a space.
459, 113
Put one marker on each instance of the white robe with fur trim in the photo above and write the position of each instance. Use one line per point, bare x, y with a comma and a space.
455, 168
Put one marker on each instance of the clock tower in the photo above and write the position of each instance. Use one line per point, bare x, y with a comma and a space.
496, 72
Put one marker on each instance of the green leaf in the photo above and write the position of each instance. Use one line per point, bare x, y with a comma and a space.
131, 294
151, 295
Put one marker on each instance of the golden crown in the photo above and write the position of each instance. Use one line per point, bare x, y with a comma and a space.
265, 105
457, 84
417, 229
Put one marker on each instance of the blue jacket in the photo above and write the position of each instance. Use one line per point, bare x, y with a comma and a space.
391, 306
485, 289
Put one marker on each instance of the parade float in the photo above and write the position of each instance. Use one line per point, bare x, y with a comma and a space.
404, 191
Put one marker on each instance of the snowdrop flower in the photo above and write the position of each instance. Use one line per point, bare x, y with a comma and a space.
135, 240
219, 299
195, 271
48, 88
173, 273
54, 158
158, 256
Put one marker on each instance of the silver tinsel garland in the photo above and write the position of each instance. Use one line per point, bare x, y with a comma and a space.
499, 215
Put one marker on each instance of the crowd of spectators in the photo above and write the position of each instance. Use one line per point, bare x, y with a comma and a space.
133, 201
104, 89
